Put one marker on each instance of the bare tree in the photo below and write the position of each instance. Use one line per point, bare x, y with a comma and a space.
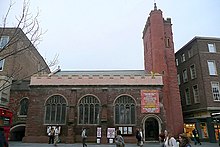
24, 37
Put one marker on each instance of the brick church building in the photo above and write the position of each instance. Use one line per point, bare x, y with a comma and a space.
103, 101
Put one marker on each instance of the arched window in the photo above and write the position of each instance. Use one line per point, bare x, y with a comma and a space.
23, 106
55, 110
125, 110
89, 109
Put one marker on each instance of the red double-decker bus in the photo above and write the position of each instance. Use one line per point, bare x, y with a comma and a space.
5, 121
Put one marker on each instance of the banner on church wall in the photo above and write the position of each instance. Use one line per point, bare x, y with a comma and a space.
150, 101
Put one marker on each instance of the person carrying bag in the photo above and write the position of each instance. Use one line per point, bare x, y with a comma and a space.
119, 140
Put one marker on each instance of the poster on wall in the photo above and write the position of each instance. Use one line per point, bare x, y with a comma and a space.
129, 130
111, 133
99, 132
150, 101
54, 127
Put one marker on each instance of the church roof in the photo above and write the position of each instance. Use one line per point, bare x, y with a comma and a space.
98, 78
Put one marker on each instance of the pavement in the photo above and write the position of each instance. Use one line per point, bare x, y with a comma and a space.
20, 144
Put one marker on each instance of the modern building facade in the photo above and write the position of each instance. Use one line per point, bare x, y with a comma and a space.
103, 101
198, 65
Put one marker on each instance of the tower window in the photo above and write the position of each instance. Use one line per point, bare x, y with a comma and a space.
167, 42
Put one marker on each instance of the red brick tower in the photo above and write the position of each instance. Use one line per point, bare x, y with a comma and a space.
159, 57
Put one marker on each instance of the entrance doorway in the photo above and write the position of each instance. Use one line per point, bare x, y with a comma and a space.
151, 129
17, 132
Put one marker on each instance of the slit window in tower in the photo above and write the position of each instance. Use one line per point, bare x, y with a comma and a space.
167, 42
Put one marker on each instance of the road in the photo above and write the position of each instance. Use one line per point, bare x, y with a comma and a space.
20, 144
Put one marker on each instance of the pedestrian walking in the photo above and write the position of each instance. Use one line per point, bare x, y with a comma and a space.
56, 136
195, 135
142, 139
170, 141
162, 138
138, 136
119, 140
84, 137
51, 135
3, 142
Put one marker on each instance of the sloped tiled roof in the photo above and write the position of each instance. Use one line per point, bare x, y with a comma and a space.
102, 77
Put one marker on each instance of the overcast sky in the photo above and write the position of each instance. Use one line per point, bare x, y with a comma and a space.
107, 34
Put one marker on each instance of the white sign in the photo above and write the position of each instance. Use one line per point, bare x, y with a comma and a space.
111, 133
99, 132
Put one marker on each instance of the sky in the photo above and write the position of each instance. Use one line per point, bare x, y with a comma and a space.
107, 34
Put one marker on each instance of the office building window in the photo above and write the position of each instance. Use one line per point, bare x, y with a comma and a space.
178, 79
89, 110
196, 94
4, 41
211, 47
187, 96
185, 77
212, 68
190, 53
215, 91
193, 71
183, 58
177, 62
125, 110
2, 61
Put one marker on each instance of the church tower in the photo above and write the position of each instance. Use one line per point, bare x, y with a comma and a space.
159, 58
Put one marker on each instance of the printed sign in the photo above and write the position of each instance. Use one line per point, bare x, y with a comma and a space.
150, 101
54, 127
99, 132
111, 133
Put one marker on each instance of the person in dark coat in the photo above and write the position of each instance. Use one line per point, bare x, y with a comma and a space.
162, 138
51, 135
84, 137
196, 136
3, 142
138, 136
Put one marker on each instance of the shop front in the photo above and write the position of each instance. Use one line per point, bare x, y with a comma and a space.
207, 128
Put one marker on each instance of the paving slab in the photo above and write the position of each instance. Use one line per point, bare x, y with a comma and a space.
20, 144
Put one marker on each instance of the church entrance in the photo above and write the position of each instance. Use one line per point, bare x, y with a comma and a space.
151, 129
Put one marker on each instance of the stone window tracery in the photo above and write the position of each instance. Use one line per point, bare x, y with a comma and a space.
125, 110
55, 108
89, 110
23, 106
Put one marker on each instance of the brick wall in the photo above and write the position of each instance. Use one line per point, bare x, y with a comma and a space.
159, 58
